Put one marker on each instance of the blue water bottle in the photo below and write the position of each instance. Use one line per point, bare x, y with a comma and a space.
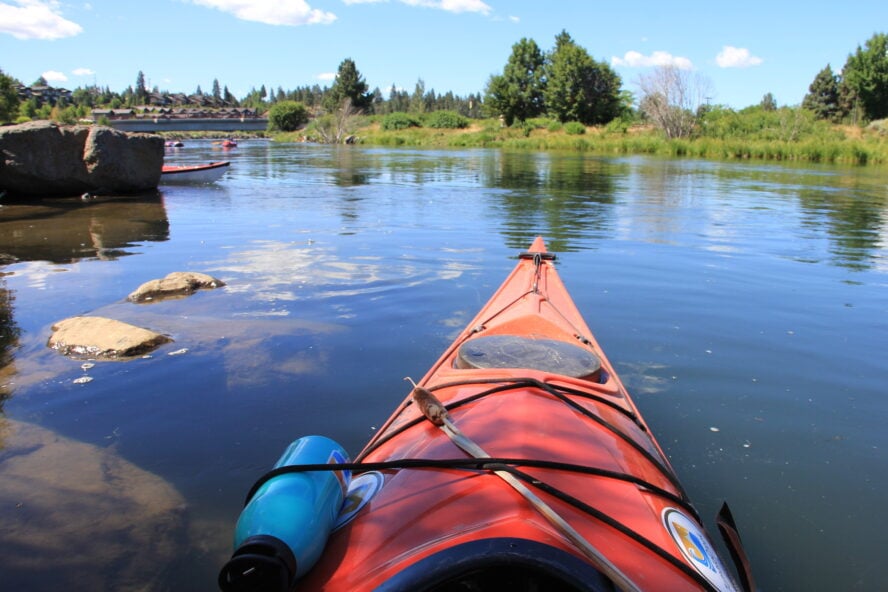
283, 528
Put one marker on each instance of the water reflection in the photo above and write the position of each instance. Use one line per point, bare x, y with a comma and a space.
855, 224
9, 336
348, 170
564, 197
278, 274
67, 230
850, 205
63, 231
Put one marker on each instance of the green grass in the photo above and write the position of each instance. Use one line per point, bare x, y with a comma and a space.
836, 146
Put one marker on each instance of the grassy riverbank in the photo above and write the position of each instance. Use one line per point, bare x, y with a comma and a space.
841, 145
819, 144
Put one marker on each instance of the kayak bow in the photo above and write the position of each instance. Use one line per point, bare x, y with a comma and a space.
564, 486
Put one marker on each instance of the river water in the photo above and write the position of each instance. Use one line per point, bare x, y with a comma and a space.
745, 306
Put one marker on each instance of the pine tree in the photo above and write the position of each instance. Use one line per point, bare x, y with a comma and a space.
140, 92
349, 84
823, 95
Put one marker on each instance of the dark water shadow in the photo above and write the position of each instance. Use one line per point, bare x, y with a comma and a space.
71, 229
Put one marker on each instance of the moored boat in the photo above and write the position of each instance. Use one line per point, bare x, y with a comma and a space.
518, 462
199, 173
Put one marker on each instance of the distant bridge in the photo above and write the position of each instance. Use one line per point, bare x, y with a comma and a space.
164, 124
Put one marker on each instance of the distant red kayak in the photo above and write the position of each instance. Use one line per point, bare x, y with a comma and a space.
200, 173
571, 492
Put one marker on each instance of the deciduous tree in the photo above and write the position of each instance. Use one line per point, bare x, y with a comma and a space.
9, 99
577, 87
670, 98
866, 75
287, 116
336, 127
418, 98
517, 93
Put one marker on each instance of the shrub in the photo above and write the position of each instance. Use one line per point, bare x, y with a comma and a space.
539, 122
287, 116
574, 128
618, 126
446, 120
399, 121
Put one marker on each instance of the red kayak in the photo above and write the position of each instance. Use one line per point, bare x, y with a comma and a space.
195, 173
519, 462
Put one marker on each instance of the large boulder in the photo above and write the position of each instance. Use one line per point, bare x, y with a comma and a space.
43, 158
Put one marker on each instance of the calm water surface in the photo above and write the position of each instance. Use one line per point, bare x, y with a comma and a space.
744, 305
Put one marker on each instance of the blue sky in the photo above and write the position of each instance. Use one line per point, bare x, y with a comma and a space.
743, 49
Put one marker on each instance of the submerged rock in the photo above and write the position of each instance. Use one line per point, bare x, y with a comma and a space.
101, 338
176, 285
78, 517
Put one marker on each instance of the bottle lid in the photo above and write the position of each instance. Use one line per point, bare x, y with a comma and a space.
261, 562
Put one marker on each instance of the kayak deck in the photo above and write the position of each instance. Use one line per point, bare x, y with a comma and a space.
559, 420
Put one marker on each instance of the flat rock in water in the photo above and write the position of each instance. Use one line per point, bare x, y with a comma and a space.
101, 338
176, 285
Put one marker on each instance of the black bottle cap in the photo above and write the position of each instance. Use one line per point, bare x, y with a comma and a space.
262, 563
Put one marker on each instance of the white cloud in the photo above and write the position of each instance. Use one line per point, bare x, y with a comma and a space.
272, 12
54, 76
327, 76
736, 57
634, 59
36, 19
82, 72
455, 6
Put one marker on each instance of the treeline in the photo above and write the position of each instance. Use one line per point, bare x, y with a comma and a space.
859, 92
564, 84
14, 108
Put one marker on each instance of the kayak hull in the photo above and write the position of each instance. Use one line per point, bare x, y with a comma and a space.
202, 173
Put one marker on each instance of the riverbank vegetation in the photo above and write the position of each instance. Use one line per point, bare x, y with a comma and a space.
560, 99
787, 134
